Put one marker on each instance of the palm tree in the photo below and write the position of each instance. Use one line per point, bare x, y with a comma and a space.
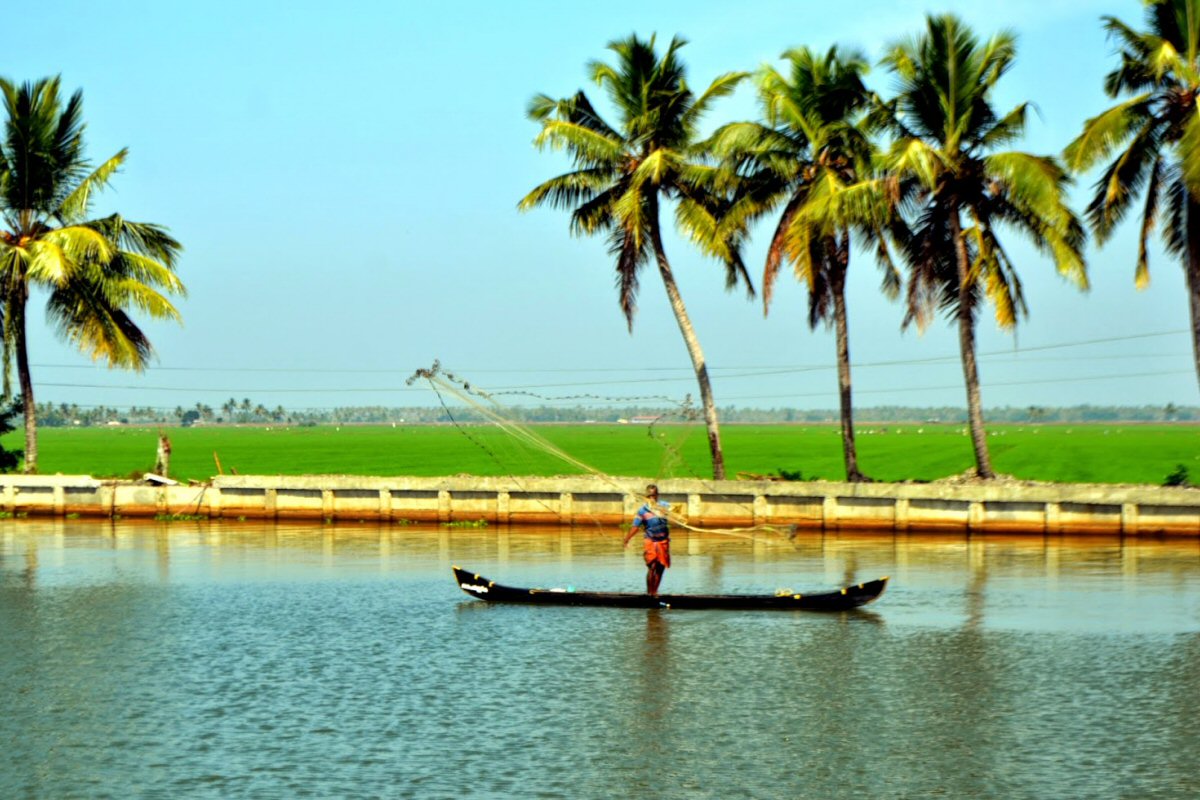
810, 140
955, 188
623, 173
1155, 133
95, 270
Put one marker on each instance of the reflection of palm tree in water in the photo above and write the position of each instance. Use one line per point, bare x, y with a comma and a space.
849, 569
162, 553
29, 574
716, 571
649, 723
645, 730
976, 583
654, 684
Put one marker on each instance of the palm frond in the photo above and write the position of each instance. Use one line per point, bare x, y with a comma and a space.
1057, 234
577, 109
1000, 284
917, 158
76, 204
631, 215
834, 205
778, 247
596, 214
587, 146
804, 250
718, 229
1165, 60
568, 190
86, 318
1005, 130
891, 280
56, 255
631, 255
1107, 131
144, 271
722, 86
1188, 152
658, 168
1121, 181
145, 238
1141, 276
1175, 234
740, 141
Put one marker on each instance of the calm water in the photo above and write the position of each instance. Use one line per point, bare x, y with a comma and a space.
195, 660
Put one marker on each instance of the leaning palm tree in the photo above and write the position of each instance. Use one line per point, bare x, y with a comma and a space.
811, 144
1155, 134
93, 270
623, 172
956, 189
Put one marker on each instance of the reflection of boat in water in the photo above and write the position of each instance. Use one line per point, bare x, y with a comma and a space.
841, 600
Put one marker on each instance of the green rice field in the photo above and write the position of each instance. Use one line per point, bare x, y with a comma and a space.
1097, 453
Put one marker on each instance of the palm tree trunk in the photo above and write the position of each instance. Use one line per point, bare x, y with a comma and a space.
1192, 274
841, 329
693, 344
966, 346
17, 310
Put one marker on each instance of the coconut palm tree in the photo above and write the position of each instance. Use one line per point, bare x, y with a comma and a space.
623, 173
1153, 137
94, 270
956, 188
810, 140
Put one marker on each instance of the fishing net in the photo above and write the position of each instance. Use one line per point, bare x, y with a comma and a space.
467, 406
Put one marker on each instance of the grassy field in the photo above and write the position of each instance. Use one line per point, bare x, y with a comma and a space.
1067, 453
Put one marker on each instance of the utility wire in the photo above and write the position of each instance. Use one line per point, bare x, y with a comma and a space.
510, 390
781, 368
575, 400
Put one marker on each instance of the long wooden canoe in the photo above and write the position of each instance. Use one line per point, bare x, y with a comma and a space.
844, 599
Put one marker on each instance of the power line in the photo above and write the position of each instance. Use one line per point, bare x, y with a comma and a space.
747, 373
986, 385
782, 368
576, 399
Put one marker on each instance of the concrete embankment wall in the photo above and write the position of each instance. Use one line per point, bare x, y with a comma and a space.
974, 507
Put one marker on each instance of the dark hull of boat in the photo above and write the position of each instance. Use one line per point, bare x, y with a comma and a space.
842, 600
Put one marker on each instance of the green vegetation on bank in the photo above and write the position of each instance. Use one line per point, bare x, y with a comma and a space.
1104, 453
70, 415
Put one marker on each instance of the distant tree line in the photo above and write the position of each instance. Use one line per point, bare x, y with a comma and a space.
247, 413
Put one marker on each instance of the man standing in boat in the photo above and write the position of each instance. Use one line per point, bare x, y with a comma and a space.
656, 535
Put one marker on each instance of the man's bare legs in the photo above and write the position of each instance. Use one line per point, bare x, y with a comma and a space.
654, 573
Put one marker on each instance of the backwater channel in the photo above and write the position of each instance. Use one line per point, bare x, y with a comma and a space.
210, 659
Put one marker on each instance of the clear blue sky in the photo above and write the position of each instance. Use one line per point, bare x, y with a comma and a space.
344, 177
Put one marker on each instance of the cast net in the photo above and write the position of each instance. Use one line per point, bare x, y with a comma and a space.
473, 410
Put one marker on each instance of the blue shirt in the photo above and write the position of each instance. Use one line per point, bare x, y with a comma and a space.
653, 520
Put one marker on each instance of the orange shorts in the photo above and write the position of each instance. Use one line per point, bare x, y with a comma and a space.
658, 551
